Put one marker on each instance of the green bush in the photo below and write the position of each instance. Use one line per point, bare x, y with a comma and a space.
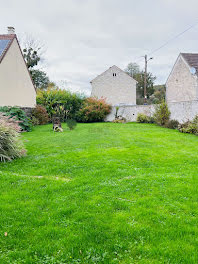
18, 114
142, 118
35, 121
61, 103
162, 114
41, 115
71, 123
173, 124
190, 127
93, 110
11, 146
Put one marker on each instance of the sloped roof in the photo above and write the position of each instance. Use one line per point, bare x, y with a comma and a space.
115, 67
191, 59
5, 43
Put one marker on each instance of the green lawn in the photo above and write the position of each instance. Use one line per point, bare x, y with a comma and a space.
103, 193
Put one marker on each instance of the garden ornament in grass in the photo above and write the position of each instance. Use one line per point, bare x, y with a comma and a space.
57, 124
58, 128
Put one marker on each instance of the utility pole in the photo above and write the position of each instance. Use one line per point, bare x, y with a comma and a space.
145, 77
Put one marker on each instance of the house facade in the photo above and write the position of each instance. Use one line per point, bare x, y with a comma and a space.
182, 83
16, 86
116, 86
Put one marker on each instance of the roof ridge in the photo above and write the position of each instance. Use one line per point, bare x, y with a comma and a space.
109, 69
10, 39
7, 36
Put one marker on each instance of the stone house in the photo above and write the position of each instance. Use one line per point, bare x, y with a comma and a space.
182, 83
16, 86
116, 86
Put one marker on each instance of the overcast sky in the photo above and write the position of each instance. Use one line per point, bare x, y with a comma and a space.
85, 37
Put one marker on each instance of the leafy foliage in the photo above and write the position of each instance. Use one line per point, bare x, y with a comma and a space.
134, 71
18, 114
158, 95
190, 127
173, 124
61, 103
142, 118
11, 146
35, 121
71, 123
93, 110
31, 57
40, 79
162, 114
41, 115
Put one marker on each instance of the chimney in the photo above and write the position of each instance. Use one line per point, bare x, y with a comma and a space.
11, 30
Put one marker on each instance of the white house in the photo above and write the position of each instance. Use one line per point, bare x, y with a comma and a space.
182, 83
116, 86
16, 86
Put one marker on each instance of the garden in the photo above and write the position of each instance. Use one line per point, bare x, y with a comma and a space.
96, 192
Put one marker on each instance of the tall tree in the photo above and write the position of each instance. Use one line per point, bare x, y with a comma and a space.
33, 55
40, 79
134, 71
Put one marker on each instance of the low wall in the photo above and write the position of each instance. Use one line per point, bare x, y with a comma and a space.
28, 111
181, 111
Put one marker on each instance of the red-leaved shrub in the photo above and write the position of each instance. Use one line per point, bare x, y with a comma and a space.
93, 110
41, 115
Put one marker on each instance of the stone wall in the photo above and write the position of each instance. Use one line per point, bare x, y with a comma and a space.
181, 111
181, 85
115, 86
28, 111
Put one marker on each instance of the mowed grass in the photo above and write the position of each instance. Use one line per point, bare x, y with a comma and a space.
102, 193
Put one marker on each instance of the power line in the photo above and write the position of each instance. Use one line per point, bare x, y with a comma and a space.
171, 39
168, 41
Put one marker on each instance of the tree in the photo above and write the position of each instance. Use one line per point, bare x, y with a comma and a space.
33, 54
159, 94
31, 57
140, 86
40, 79
134, 71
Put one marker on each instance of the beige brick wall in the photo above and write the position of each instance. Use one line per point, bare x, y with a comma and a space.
181, 84
119, 89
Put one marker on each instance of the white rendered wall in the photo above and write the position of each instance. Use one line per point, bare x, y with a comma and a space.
16, 88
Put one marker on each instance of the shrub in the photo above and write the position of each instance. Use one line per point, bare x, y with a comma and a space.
190, 127
11, 146
142, 118
173, 124
71, 123
18, 114
61, 103
162, 114
41, 115
93, 110
35, 121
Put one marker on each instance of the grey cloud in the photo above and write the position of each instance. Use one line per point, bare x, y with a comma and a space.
85, 37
